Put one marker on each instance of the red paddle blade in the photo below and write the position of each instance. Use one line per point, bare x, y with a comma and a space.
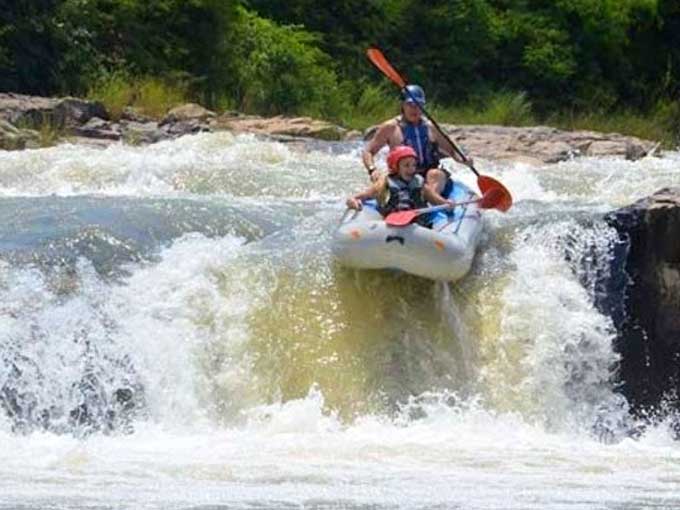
401, 218
492, 199
502, 200
378, 60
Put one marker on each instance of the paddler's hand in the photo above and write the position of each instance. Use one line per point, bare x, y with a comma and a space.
353, 203
469, 162
451, 204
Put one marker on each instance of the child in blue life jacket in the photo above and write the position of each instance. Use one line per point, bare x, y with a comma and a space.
402, 188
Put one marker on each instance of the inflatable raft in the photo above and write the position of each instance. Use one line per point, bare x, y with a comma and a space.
444, 252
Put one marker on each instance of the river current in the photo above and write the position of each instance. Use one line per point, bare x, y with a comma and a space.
174, 334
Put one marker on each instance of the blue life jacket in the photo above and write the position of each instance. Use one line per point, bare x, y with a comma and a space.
417, 136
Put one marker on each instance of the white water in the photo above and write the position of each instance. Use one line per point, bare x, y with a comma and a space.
274, 379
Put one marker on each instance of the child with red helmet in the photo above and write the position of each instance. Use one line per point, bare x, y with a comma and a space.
402, 188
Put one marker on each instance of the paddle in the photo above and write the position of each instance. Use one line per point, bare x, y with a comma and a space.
492, 199
484, 182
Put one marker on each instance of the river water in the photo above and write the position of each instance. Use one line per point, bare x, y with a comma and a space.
174, 334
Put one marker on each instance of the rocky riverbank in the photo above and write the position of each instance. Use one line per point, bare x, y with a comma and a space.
25, 119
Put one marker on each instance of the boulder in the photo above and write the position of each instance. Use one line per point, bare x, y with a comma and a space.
645, 274
34, 111
606, 148
99, 128
185, 127
137, 133
131, 114
288, 126
541, 144
190, 112
12, 138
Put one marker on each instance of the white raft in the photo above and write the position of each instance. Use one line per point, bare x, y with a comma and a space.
444, 252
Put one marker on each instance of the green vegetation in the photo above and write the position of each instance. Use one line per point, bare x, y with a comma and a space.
602, 64
151, 97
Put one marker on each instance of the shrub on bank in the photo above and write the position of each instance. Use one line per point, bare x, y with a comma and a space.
280, 69
152, 97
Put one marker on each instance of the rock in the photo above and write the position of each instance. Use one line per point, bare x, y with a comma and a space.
99, 128
130, 114
636, 150
554, 152
35, 111
12, 138
647, 271
281, 125
181, 128
605, 148
187, 113
540, 144
70, 111
137, 133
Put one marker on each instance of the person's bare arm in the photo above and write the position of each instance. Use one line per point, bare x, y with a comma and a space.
435, 198
379, 140
354, 202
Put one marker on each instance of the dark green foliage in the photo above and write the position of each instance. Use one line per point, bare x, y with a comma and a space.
30, 42
280, 69
305, 56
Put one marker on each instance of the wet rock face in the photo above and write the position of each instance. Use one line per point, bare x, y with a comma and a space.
648, 319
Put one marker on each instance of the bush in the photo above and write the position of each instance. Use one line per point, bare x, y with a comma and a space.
155, 97
149, 96
115, 90
510, 109
503, 108
375, 104
280, 70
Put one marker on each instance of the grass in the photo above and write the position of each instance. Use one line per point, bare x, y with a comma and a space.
49, 134
151, 97
48, 131
501, 109
504, 108
661, 123
374, 105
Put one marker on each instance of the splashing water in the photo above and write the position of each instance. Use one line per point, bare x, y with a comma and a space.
175, 334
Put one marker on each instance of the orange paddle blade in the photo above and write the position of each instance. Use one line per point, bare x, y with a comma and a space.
378, 60
401, 218
490, 187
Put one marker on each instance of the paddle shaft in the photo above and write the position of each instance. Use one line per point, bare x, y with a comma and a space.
485, 183
443, 207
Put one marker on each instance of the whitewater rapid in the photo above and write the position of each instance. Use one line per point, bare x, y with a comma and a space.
175, 334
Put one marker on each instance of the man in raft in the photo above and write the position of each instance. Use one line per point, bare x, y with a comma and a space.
410, 128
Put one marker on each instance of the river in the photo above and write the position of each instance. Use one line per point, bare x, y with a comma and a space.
174, 334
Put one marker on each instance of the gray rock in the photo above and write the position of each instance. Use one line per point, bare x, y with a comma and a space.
187, 113
177, 129
12, 138
130, 114
540, 144
646, 270
606, 148
138, 133
304, 127
33, 111
99, 128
